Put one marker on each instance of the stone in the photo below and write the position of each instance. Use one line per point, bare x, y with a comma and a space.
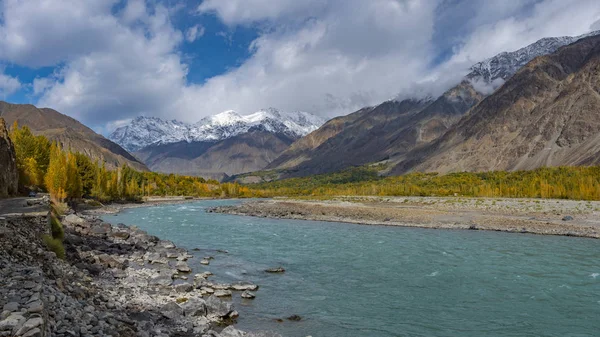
207, 290
11, 322
118, 273
11, 306
217, 307
275, 270
230, 331
161, 280
294, 318
248, 295
183, 267
205, 262
73, 219
194, 307
35, 307
30, 324
33, 333
184, 288
121, 235
568, 218
222, 293
171, 310
101, 229
244, 286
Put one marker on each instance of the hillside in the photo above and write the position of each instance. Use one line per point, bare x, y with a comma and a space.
68, 132
545, 115
387, 132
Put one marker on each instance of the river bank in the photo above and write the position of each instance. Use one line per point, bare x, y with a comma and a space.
537, 216
115, 281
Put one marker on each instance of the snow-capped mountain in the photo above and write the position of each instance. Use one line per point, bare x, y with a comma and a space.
506, 64
145, 131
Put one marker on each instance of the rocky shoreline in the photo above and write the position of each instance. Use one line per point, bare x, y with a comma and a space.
115, 281
547, 217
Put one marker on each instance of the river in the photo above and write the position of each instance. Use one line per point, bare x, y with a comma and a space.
350, 280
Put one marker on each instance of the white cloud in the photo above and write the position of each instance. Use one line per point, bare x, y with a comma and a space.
193, 33
118, 59
8, 85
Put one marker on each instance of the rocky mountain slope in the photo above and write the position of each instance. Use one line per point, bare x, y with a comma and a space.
548, 114
216, 146
9, 177
145, 131
68, 132
391, 130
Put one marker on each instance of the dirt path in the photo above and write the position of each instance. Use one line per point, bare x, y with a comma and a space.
19, 206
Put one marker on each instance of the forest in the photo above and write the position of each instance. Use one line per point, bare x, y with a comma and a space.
581, 183
67, 175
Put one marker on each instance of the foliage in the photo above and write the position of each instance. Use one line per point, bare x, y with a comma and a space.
56, 227
55, 245
582, 183
33, 156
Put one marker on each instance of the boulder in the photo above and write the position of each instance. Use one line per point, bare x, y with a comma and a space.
222, 293
230, 331
248, 295
217, 307
73, 219
567, 218
183, 267
184, 288
171, 310
9, 177
195, 307
275, 270
161, 280
244, 286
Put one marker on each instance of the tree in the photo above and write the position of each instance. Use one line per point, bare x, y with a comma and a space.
56, 177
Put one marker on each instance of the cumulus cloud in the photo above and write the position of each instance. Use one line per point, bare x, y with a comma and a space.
116, 59
8, 85
194, 33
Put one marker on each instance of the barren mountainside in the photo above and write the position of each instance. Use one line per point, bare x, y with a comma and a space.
68, 132
390, 131
548, 114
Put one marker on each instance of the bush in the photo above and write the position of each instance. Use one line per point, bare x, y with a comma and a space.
55, 245
56, 227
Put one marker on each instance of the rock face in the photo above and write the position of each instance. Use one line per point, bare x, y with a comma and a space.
545, 115
9, 177
68, 132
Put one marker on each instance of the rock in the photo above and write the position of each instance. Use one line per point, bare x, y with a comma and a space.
248, 295
33, 333
171, 310
230, 331
30, 324
73, 219
194, 307
294, 318
219, 308
165, 244
11, 322
275, 270
121, 235
35, 307
9, 176
207, 290
101, 229
264, 334
567, 218
184, 288
183, 267
244, 286
161, 280
205, 262
11, 306
222, 293
118, 273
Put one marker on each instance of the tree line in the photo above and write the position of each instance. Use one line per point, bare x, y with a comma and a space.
68, 175
580, 183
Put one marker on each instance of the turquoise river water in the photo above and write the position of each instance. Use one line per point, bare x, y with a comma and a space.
352, 280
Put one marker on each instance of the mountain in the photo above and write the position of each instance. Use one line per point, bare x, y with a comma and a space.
68, 132
217, 146
9, 177
547, 114
389, 131
146, 131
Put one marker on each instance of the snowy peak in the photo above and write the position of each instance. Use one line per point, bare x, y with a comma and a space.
145, 131
502, 66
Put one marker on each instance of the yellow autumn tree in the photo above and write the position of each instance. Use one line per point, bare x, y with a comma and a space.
56, 177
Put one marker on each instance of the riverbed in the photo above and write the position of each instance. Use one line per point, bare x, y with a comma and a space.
353, 280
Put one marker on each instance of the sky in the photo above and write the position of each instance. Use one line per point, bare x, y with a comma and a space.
105, 62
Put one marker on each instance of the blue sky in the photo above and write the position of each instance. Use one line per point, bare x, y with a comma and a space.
107, 61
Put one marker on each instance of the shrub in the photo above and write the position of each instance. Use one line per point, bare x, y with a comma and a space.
56, 227
55, 245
